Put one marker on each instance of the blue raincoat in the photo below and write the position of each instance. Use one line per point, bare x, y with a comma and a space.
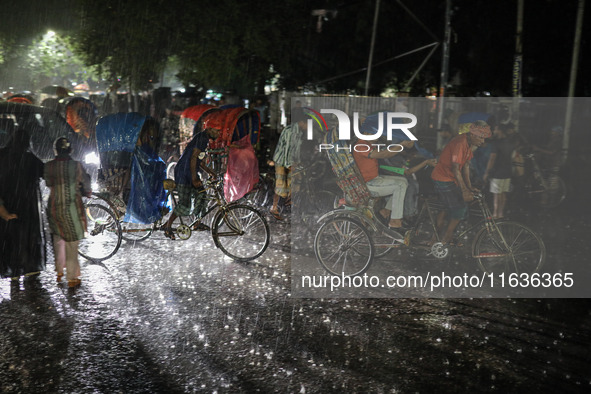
119, 133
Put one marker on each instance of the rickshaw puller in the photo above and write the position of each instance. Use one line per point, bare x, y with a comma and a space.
186, 175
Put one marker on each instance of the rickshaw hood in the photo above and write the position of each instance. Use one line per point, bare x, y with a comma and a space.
119, 132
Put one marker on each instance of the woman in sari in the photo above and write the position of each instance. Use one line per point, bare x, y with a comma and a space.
22, 245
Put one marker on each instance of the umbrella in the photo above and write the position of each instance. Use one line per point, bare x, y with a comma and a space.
55, 90
21, 98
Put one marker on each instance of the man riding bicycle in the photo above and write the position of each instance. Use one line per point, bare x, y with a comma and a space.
186, 174
451, 176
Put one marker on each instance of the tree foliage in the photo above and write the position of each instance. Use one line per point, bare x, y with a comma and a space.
52, 56
223, 44
126, 41
232, 44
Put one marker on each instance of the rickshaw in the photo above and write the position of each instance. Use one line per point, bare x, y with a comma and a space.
232, 154
350, 237
21, 98
135, 197
240, 131
45, 126
131, 194
191, 120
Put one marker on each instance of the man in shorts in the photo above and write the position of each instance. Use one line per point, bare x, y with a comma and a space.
186, 175
287, 153
499, 169
451, 176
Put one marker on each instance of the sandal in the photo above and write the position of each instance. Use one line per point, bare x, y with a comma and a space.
74, 283
168, 233
200, 227
276, 215
385, 221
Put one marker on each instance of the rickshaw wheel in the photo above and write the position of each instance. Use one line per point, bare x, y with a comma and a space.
344, 246
183, 231
104, 233
241, 232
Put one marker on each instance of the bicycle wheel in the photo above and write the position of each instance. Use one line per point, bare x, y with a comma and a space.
134, 232
511, 247
104, 234
343, 246
241, 232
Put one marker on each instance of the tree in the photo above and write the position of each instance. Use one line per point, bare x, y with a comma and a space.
52, 57
235, 43
127, 41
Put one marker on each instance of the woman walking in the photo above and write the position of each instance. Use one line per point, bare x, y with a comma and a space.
22, 250
67, 180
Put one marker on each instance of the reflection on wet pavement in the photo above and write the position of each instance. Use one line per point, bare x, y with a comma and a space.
179, 316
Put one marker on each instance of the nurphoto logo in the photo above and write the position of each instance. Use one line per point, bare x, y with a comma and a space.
388, 123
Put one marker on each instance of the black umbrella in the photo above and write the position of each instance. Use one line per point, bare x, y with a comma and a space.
55, 90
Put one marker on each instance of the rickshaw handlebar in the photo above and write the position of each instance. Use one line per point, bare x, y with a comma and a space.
215, 181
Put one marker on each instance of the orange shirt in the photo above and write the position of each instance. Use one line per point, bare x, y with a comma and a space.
456, 151
367, 166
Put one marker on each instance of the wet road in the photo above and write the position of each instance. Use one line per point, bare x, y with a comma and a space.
174, 317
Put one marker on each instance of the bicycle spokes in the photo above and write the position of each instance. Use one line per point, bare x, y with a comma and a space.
343, 246
509, 247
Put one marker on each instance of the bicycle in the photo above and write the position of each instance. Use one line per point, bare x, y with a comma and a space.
349, 239
240, 231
